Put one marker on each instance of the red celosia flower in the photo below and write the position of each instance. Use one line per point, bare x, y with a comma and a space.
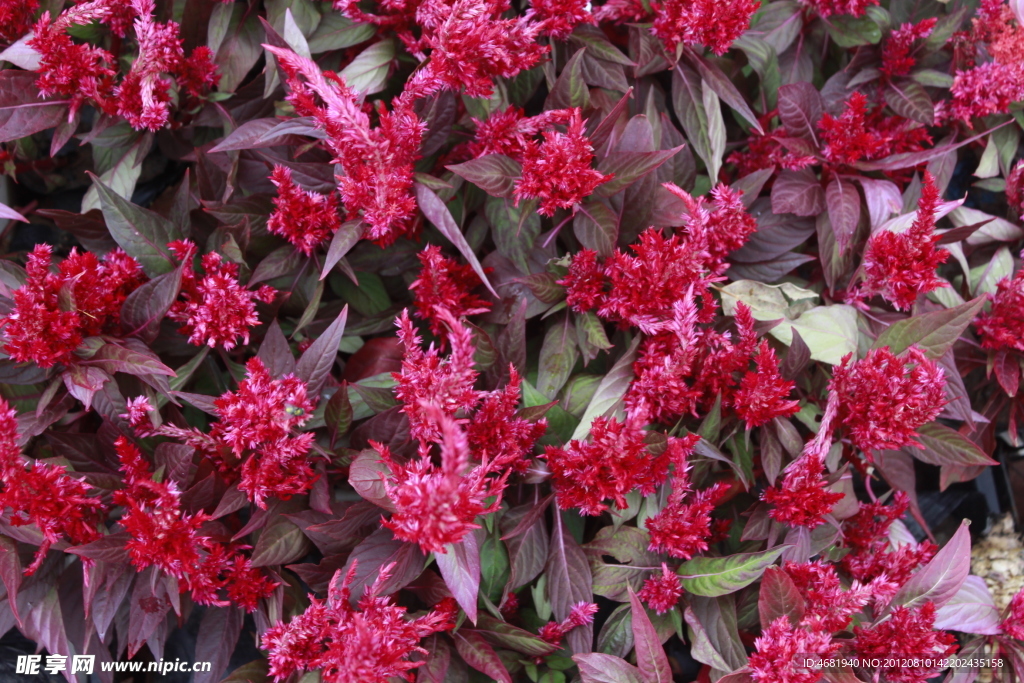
54, 312
827, 8
781, 650
871, 557
827, 604
216, 309
511, 133
497, 434
162, 535
897, 57
581, 614
1002, 326
45, 495
558, 18
428, 381
884, 398
859, 134
445, 284
197, 73
436, 506
78, 72
1013, 624
803, 498
377, 162
992, 87
683, 527
763, 394
710, 23
662, 593
16, 18
471, 45
723, 223
645, 287
144, 94
901, 266
906, 633
585, 282
368, 643
1015, 188
302, 217
613, 463
557, 171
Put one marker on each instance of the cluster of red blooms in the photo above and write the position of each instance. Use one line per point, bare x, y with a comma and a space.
662, 592
991, 87
557, 171
859, 135
445, 284
827, 605
776, 661
897, 53
884, 398
765, 150
44, 495
511, 132
302, 217
16, 17
1013, 624
215, 309
162, 535
901, 266
1002, 326
54, 312
826, 8
437, 505
871, 557
558, 18
711, 23
906, 631
81, 72
470, 45
581, 614
803, 498
255, 437
684, 526
1015, 188
377, 162
370, 642
613, 463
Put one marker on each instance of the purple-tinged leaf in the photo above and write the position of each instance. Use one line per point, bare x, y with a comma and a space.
495, 174
83, 382
479, 654
110, 549
316, 362
946, 446
570, 89
940, 579
843, 203
715, 79
144, 308
138, 361
910, 100
971, 610
218, 635
569, 582
596, 226
23, 112
143, 234
433, 207
513, 638
933, 332
601, 668
751, 184
1006, 368
882, 197
149, 606
800, 109
282, 261
779, 597
280, 543
275, 352
8, 213
249, 135
714, 576
628, 167
799, 193
348, 236
650, 655
912, 159
379, 549
438, 661
10, 573
460, 569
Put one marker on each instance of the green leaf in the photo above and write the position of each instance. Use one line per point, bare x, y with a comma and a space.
570, 90
853, 31
368, 73
514, 228
714, 576
945, 446
141, 233
557, 357
933, 332
336, 31
611, 390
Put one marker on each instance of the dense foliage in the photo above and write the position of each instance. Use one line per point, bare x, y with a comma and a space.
451, 340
